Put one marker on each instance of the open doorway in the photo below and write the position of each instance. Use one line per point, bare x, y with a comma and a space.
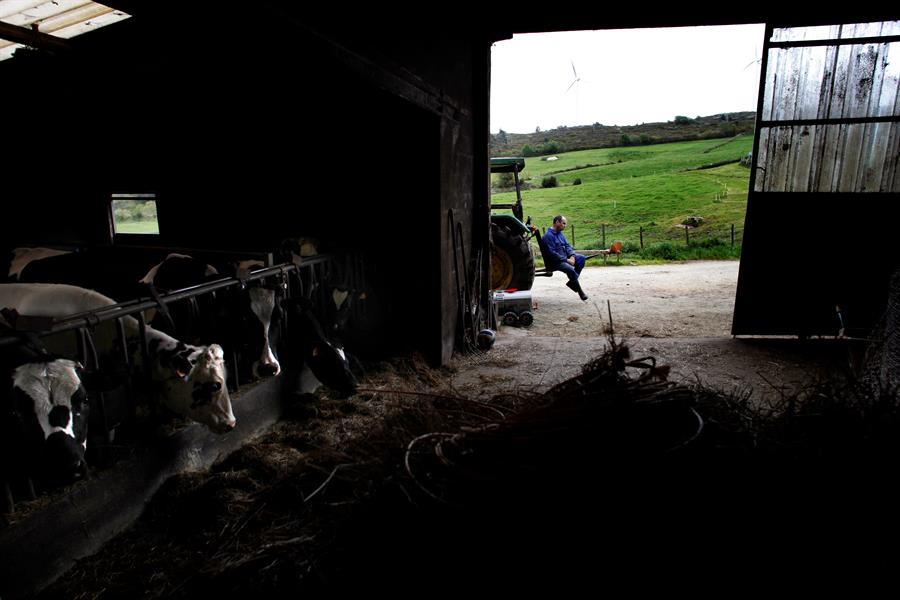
641, 137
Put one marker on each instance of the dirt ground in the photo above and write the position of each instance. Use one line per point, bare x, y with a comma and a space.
678, 313
691, 299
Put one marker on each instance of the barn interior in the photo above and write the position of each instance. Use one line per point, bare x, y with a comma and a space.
252, 129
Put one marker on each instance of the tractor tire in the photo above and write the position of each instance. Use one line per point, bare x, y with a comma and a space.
512, 260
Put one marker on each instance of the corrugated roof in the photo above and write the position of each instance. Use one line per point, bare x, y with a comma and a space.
58, 18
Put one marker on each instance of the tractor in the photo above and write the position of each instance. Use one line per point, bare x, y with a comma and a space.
512, 260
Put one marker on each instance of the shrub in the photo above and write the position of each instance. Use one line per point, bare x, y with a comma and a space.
549, 182
527, 150
504, 180
662, 251
711, 242
682, 120
551, 148
631, 247
577, 181
714, 248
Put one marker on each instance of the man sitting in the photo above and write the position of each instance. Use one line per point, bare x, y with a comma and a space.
560, 256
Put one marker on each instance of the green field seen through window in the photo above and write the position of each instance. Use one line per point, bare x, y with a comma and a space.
135, 215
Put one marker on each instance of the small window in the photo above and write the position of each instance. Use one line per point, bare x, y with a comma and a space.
135, 213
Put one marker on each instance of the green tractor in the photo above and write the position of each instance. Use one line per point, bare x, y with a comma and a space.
512, 260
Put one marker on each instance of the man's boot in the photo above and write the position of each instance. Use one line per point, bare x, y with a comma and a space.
575, 286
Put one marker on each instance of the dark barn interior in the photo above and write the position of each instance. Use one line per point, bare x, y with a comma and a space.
371, 139
242, 153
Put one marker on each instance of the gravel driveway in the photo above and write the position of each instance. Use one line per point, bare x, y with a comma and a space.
690, 299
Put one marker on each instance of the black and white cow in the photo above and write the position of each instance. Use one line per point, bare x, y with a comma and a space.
245, 319
253, 316
191, 378
191, 319
257, 305
22, 257
324, 359
44, 414
105, 270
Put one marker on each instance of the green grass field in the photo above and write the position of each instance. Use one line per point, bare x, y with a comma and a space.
137, 227
653, 187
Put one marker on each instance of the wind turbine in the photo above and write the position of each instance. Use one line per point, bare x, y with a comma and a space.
756, 60
575, 85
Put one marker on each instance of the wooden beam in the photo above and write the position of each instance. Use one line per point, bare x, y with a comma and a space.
30, 37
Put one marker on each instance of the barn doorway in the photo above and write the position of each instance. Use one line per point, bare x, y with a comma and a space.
642, 137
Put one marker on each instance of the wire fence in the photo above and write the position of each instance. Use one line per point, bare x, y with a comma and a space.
695, 238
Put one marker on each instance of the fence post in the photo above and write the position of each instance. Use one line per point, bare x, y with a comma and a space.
732, 234
642, 237
603, 235
573, 235
687, 239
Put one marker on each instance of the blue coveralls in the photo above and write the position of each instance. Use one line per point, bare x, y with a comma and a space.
559, 247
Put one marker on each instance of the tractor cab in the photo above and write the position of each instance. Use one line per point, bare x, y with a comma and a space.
512, 260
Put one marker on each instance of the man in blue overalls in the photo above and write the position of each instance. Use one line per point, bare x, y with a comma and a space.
563, 257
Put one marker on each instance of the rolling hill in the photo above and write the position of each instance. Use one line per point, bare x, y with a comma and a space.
619, 193
567, 139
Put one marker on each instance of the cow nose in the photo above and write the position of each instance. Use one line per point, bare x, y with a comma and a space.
81, 470
229, 425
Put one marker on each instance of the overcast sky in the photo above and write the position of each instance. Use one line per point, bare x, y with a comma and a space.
626, 76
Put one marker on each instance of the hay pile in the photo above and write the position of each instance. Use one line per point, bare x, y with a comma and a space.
611, 474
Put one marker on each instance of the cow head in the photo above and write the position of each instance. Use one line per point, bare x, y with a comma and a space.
324, 357
52, 412
329, 364
254, 313
262, 305
193, 381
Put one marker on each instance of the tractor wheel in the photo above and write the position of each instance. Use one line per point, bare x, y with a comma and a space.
512, 261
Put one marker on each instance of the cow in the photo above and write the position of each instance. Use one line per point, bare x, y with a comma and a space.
245, 318
324, 360
256, 304
191, 378
192, 318
44, 414
253, 316
22, 257
104, 270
